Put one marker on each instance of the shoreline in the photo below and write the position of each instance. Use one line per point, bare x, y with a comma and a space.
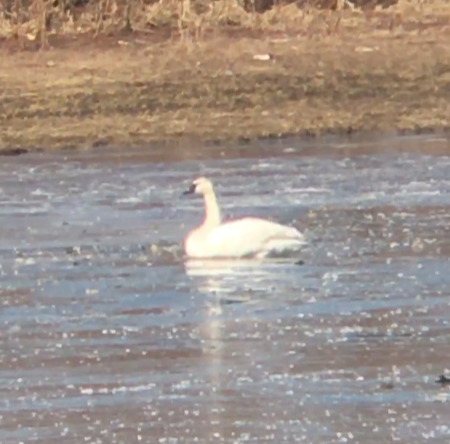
136, 89
189, 149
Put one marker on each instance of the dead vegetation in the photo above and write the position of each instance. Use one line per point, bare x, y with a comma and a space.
127, 72
39, 20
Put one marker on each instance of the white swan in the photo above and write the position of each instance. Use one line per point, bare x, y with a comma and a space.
249, 237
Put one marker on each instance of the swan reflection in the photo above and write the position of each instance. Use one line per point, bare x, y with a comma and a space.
239, 278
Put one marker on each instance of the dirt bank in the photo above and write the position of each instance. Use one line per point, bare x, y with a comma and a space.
329, 72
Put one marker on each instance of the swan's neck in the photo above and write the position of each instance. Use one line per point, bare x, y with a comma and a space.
212, 211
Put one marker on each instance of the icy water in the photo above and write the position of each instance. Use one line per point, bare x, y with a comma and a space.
108, 335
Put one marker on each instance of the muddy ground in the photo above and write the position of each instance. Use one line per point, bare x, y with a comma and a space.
340, 72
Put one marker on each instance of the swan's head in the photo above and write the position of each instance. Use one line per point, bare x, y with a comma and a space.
202, 185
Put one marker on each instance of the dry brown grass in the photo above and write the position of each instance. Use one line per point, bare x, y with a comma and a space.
179, 71
39, 20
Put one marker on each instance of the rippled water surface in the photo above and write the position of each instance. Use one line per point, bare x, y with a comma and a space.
108, 335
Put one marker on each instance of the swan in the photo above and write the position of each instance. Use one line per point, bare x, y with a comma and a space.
249, 237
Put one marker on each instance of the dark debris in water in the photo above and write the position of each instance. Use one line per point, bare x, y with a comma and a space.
443, 380
387, 385
73, 250
234, 300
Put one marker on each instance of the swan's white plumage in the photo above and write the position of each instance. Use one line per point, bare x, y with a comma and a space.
243, 238
247, 237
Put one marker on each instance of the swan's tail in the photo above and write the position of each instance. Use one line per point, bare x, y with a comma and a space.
286, 244
293, 233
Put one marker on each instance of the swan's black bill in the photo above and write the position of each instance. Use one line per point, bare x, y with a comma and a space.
191, 190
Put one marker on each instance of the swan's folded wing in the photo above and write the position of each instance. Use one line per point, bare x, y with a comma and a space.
248, 236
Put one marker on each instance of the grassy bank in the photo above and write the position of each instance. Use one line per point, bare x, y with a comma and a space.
177, 72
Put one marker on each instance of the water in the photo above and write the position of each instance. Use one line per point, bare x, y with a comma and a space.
108, 335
